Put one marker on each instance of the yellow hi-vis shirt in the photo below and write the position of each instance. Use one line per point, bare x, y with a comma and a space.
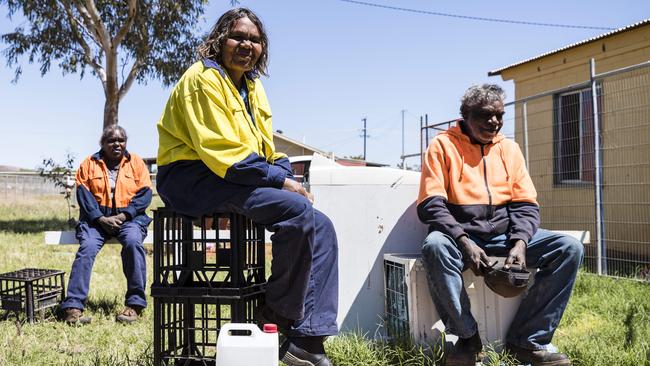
206, 119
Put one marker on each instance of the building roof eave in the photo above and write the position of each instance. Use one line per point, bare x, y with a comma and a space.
589, 40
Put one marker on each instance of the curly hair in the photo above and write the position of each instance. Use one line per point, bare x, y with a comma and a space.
211, 48
479, 95
109, 130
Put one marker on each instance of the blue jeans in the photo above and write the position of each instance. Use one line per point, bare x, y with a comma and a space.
557, 257
91, 240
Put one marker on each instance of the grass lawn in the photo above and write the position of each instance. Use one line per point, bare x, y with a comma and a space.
607, 321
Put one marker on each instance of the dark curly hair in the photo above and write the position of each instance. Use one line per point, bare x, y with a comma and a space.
211, 47
479, 95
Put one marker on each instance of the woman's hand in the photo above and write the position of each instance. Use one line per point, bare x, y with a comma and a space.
293, 186
112, 224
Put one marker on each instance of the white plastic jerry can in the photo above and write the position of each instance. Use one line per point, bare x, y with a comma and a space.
243, 344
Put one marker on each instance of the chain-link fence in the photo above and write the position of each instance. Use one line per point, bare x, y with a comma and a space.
14, 185
27, 184
587, 148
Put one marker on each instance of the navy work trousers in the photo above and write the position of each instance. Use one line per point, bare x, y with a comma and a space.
303, 285
91, 240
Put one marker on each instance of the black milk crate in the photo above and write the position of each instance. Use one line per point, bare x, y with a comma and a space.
224, 251
186, 327
31, 290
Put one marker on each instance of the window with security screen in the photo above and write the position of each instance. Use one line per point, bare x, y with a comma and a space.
573, 135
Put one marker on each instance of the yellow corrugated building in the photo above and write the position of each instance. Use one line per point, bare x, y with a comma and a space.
554, 90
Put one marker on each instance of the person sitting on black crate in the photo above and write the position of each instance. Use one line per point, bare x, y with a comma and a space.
478, 199
216, 154
113, 192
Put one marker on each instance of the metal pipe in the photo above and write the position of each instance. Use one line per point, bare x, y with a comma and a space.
403, 165
421, 144
525, 112
597, 173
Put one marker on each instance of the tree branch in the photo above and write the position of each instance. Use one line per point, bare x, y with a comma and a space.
98, 25
130, 79
88, 26
88, 55
127, 24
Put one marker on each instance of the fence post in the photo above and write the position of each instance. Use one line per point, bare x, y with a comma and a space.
601, 264
525, 112
422, 144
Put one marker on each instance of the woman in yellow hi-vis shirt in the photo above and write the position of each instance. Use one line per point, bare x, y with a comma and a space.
216, 153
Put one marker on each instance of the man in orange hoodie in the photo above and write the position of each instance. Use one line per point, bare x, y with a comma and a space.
478, 200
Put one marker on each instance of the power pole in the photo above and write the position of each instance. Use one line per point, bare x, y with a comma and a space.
365, 136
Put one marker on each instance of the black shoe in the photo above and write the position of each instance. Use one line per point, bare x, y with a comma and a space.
465, 352
264, 315
538, 357
292, 354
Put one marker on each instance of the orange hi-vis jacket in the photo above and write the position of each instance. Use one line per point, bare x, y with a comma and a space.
132, 193
477, 190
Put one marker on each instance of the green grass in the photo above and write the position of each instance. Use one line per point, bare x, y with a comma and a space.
607, 321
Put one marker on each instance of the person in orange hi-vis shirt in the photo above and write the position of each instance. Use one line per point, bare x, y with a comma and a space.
113, 192
478, 200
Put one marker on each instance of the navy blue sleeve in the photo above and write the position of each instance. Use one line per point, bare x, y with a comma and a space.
88, 206
434, 212
285, 164
524, 220
139, 203
254, 170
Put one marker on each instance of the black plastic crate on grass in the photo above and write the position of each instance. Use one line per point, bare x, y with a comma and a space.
229, 261
31, 290
186, 327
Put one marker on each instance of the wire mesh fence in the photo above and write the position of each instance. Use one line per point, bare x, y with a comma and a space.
23, 185
587, 148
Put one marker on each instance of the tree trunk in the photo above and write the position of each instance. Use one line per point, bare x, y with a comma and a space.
111, 89
111, 106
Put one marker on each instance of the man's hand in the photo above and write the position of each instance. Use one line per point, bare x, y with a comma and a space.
293, 186
474, 255
112, 224
517, 255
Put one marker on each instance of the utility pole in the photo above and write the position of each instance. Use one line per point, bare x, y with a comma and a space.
403, 159
365, 136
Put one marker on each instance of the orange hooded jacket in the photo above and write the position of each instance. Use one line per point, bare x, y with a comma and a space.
477, 190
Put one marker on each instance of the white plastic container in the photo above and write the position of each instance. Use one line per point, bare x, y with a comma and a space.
242, 344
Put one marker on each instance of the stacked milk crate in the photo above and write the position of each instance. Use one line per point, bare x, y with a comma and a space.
207, 273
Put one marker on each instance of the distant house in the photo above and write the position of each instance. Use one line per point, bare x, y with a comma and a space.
554, 125
293, 148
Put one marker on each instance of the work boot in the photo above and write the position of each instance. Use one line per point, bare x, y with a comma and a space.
538, 357
130, 314
74, 316
304, 351
264, 315
465, 351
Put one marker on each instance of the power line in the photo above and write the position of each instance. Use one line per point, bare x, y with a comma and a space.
476, 18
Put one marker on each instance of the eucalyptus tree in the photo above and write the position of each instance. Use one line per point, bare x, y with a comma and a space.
118, 41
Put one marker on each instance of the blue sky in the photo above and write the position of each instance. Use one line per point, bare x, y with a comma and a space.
331, 64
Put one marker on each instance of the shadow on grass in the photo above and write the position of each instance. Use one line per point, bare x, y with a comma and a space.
23, 226
104, 305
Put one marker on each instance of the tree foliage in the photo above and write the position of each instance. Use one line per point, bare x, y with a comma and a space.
120, 42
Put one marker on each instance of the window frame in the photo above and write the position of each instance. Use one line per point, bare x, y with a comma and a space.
558, 169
